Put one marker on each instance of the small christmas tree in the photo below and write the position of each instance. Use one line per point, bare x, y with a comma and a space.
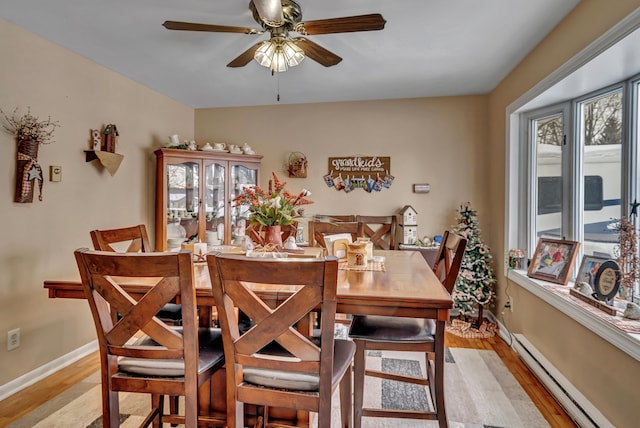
474, 286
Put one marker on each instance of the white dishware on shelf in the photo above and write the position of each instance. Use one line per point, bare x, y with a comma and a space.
174, 140
175, 230
206, 147
219, 146
174, 244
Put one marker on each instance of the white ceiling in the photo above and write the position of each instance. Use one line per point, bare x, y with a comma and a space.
428, 47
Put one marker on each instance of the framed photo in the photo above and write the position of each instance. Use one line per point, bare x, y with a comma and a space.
553, 260
588, 270
607, 281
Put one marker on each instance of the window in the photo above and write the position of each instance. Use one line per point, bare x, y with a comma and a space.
594, 99
580, 169
547, 139
600, 142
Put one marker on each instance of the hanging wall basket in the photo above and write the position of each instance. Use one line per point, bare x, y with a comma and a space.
297, 165
29, 132
28, 171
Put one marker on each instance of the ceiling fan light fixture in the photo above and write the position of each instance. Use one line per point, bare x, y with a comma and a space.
292, 52
279, 54
264, 54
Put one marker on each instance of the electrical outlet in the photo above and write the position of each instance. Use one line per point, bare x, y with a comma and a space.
13, 339
509, 304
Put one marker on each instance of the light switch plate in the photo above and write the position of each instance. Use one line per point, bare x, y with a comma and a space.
55, 173
421, 188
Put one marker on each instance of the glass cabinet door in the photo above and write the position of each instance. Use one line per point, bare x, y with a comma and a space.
241, 177
183, 197
214, 194
194, 194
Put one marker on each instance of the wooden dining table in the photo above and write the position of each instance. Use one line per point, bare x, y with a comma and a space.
403, 285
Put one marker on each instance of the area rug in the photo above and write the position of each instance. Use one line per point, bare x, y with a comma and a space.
480, 392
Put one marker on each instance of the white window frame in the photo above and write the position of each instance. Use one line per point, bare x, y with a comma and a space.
517, 166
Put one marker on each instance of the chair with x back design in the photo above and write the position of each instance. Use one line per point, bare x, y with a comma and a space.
274, 363
385, 333
139, 352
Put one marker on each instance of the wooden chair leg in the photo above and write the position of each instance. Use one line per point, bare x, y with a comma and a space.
359, 363
174, 406
157, 403
110, 407
346, 409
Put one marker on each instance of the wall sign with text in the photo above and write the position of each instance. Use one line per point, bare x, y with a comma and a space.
370, 173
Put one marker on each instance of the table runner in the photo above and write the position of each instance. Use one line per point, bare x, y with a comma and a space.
371, 266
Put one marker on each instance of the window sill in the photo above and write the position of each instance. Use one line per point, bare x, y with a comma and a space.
626, 342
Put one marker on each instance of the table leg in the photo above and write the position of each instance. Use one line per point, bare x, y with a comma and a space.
205, 316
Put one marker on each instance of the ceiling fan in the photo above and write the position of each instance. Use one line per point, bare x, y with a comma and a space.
279, 18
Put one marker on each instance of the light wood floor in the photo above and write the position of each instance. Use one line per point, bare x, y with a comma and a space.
30, 398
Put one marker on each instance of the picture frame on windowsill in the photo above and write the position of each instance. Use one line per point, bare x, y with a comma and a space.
588, 269
553, 260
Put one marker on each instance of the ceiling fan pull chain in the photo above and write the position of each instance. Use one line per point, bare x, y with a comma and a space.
278, 77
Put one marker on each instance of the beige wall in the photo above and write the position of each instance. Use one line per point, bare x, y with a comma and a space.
425, 138
438, 141
596, 368
38, 239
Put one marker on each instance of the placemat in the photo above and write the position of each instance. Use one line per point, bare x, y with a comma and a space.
371, 266
624, 324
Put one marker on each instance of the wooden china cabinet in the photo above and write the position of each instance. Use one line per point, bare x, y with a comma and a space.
194, 190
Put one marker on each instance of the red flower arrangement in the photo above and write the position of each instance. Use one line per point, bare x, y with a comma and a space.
275, 207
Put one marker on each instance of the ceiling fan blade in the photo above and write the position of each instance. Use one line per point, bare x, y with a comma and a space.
190, 26
270, 12
347, 24
317, 52
245, 57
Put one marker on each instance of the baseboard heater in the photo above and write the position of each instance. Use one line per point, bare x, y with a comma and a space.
584, 413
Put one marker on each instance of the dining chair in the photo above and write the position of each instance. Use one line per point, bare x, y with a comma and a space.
381, 230
141, 353
384, 333
133, 239
274, 363
330, 218
318, 229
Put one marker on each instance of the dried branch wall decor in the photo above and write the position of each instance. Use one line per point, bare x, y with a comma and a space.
627, 257
30, 133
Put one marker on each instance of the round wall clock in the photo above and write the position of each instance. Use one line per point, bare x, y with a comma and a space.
607, 280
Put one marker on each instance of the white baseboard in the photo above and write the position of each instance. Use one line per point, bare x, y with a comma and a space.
41, 372
577, 406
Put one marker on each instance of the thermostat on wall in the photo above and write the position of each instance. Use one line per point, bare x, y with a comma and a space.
421, 188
